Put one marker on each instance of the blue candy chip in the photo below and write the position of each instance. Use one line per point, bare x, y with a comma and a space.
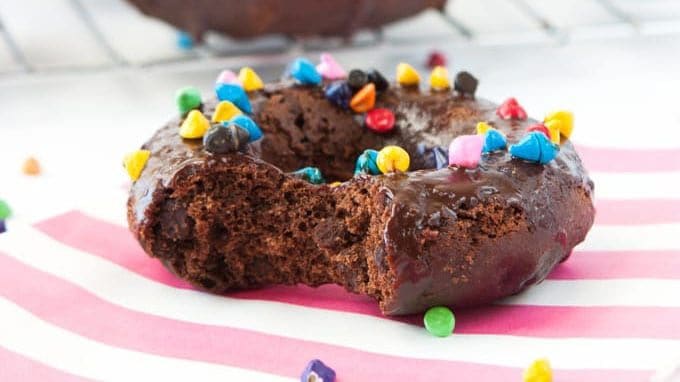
305, 72
248, 124
339, 94
494, 140
535, 147
366, 163
184, 40
311, 174
235, 94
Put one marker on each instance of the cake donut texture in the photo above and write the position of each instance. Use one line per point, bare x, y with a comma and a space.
244, 19
438, 234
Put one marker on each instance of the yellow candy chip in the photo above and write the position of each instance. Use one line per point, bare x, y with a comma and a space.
249, 79
407, 75
439, 78
483, 127
392, 158
335, 184
554, 129
225, 111
134, 163
565, 119
538, 371
194, 126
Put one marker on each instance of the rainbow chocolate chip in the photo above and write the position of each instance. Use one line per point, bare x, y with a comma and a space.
439, 79
305, 72
317, 371
249, 79
494, 140
366, 163
311, 174
511, 109
194, 125
407, 75
329, 68
439, 321
393, 159
235, 94
5, 211
339, 94
535, 147
466, 150
225, 111
187, 99
248, 124
364, 99
379, 120
135, 162
538, 371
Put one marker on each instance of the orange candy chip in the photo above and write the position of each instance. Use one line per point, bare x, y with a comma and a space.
364, 100
31, 166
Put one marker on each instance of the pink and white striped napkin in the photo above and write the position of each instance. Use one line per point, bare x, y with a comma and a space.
79, 300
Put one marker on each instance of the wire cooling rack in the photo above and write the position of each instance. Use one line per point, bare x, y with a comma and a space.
77, 35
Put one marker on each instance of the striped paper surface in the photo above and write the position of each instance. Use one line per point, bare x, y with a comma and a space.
80, 300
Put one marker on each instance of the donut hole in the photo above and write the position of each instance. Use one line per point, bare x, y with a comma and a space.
307, 130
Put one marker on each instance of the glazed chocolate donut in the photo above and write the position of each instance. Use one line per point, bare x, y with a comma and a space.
243, 19
434, 235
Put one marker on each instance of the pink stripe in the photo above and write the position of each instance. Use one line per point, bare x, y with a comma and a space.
16, 367
43, 295
115, 244
629, 160
636, 212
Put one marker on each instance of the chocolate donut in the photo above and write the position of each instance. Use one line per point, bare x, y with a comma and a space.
244, 19
430, 236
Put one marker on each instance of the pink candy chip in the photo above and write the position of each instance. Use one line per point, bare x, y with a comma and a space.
329, 68
227, 77
466, 150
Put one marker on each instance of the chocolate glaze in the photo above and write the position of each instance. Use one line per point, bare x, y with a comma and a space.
244, 19
442, 237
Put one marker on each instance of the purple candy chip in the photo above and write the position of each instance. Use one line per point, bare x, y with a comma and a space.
2, 226
317, 371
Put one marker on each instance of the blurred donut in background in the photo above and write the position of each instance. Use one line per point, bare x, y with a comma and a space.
253, 18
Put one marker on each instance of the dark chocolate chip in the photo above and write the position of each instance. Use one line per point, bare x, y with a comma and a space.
377, 79
357, 79
220, 139
465, 84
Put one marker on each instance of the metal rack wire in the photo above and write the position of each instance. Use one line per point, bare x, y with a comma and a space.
460, 27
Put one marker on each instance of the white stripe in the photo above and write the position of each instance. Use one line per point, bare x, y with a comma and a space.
610, 292
632, 237
632, 185
24, 333
120, 286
